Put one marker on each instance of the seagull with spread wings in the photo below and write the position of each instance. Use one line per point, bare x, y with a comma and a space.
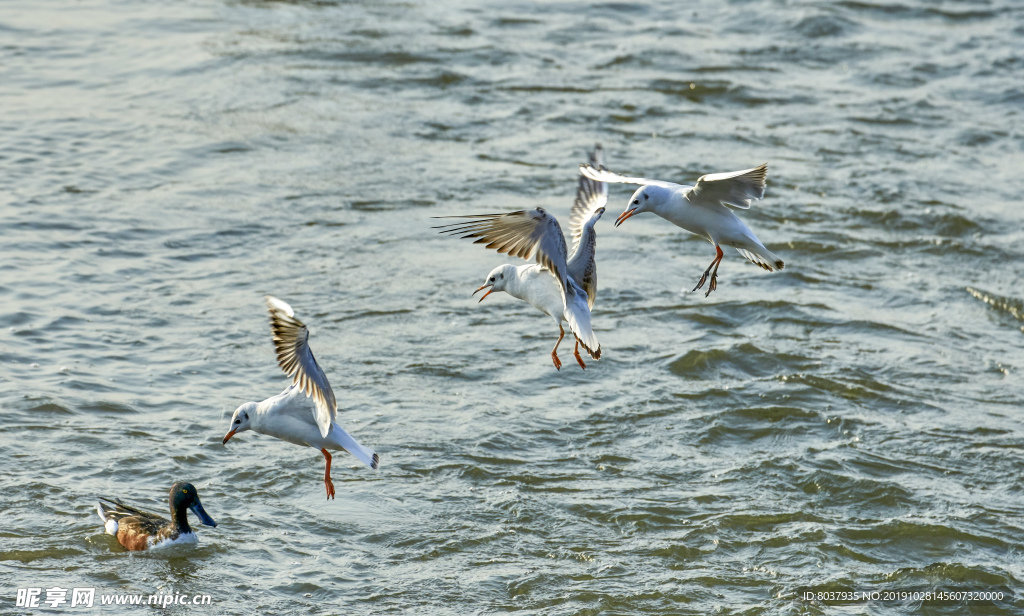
560, 285
289, 415
704, 209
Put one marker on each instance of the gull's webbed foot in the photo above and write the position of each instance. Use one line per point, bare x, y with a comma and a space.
713, 284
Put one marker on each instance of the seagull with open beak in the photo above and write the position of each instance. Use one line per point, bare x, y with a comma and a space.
561, 286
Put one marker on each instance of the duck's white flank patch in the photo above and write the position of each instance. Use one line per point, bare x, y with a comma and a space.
183, 539
108, 525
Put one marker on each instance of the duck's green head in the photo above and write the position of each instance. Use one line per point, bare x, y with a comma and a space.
184, 496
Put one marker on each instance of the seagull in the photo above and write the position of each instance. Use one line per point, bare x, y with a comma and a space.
289, 416
561, 286
138, 530
702, 209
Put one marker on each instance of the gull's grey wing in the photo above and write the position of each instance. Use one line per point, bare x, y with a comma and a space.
736, 189
527, 234
603, 175
291, 342
591, 199
583, 267
591, 194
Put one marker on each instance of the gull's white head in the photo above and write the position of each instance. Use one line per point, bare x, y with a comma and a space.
645, 199
497, 280
241, 420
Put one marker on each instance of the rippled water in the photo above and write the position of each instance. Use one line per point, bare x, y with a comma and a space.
852, 423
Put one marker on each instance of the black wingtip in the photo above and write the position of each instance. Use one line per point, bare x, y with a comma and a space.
376, 462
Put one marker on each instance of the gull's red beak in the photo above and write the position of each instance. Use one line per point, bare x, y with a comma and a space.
485, 294
228, 436
624, 216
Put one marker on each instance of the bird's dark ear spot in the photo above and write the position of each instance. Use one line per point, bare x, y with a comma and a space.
646, 197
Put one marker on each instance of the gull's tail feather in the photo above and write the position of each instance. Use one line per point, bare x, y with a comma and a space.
343, 439
762, 257
577, 313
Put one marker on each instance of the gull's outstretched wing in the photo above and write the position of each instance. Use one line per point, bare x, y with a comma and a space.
600, 174
291, 342
591, 199
527, 234
735, 189
591, 195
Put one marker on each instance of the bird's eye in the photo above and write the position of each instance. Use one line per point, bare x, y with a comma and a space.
238, 421
636, 202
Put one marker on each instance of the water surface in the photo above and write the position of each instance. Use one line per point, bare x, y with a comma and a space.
851, 423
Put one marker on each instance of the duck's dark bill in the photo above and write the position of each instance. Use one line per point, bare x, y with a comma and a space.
197, 509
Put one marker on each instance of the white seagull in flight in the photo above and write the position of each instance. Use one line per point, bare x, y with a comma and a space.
561, 286
289, 415
704, 209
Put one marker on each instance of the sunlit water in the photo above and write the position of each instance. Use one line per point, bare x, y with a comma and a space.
852, 423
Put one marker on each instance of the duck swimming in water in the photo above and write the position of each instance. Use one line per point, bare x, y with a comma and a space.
140, 530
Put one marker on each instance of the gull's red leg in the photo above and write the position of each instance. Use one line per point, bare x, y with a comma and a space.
579, 360
714, 275
554, 351
327, 474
